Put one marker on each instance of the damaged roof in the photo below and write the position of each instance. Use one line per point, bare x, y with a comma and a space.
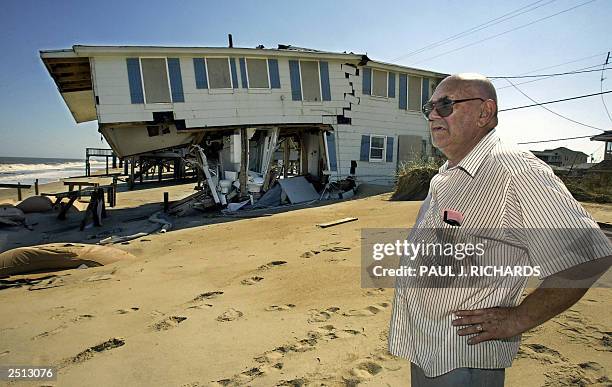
283, 50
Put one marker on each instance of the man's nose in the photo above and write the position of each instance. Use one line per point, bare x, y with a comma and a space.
434, 114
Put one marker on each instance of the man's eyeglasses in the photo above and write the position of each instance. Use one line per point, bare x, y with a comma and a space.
443, 106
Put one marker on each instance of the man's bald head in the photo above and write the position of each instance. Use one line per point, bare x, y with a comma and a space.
472, 85
470, 117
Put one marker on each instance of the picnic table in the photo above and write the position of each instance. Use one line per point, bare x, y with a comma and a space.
96, 207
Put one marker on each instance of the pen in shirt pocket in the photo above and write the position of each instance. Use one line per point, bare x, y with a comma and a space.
452, 217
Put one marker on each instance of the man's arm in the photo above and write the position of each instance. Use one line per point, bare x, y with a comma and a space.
556, 294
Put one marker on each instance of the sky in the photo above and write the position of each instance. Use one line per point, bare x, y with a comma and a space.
36, 122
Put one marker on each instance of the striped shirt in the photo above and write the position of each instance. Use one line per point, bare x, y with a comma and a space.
495, 187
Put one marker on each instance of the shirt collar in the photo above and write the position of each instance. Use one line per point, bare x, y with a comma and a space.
472, 161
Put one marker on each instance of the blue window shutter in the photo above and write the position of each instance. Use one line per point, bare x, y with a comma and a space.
365, 148
199, 68
133, 69
176, 81
403, 91
273, 72
325, 87
294, 74
389, 157
243, 73
367, 81
425, 91
331, 150
391, 91
234, 73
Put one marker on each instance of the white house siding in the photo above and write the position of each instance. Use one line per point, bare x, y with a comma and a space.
376, 116
209, 108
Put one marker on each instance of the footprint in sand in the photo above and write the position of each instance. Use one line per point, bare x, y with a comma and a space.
251, 281
337, 249
322, 315
271, 265
310, 254
366, 369
50, 333
168, 323
99, 277
47, 284
375, 292
126, 311
90, 352
330, 332
230, 315
207, 296
271, 360
561, 372
367, 311
583, 374
299, 382
82, 317
279, 308
541, 353
578, 330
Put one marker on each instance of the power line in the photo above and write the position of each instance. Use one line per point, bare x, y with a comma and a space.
474, 29
506, 32
550, 75
564, 63
541, 79
553, 140
558, 100
553, 112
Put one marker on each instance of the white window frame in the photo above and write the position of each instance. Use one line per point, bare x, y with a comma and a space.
384, 148
372, 85
246, 71
229, 67
144, 92
302, 86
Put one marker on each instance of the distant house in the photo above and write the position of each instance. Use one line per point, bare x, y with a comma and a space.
607, 137
329, 113
561, 157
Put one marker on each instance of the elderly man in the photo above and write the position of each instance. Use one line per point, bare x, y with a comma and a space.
467, 336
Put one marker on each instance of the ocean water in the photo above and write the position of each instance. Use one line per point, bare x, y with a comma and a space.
26, 170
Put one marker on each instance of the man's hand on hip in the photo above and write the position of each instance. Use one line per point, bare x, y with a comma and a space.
488, 324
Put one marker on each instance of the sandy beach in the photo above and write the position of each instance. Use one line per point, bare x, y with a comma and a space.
264, 301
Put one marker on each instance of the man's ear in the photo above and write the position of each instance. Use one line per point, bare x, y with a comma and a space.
487, 113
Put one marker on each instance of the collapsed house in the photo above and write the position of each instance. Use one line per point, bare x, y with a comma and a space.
247, 117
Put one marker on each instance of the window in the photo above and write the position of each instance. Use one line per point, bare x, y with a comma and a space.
219, 75
414, 93
257, 73
379, 83
377, 148
155, 80
311, 84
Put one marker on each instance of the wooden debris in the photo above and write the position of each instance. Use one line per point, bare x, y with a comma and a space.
336, 222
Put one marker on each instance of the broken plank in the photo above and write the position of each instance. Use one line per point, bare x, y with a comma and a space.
336, 222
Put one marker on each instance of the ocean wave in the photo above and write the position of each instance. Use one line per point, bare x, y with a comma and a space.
13, 169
